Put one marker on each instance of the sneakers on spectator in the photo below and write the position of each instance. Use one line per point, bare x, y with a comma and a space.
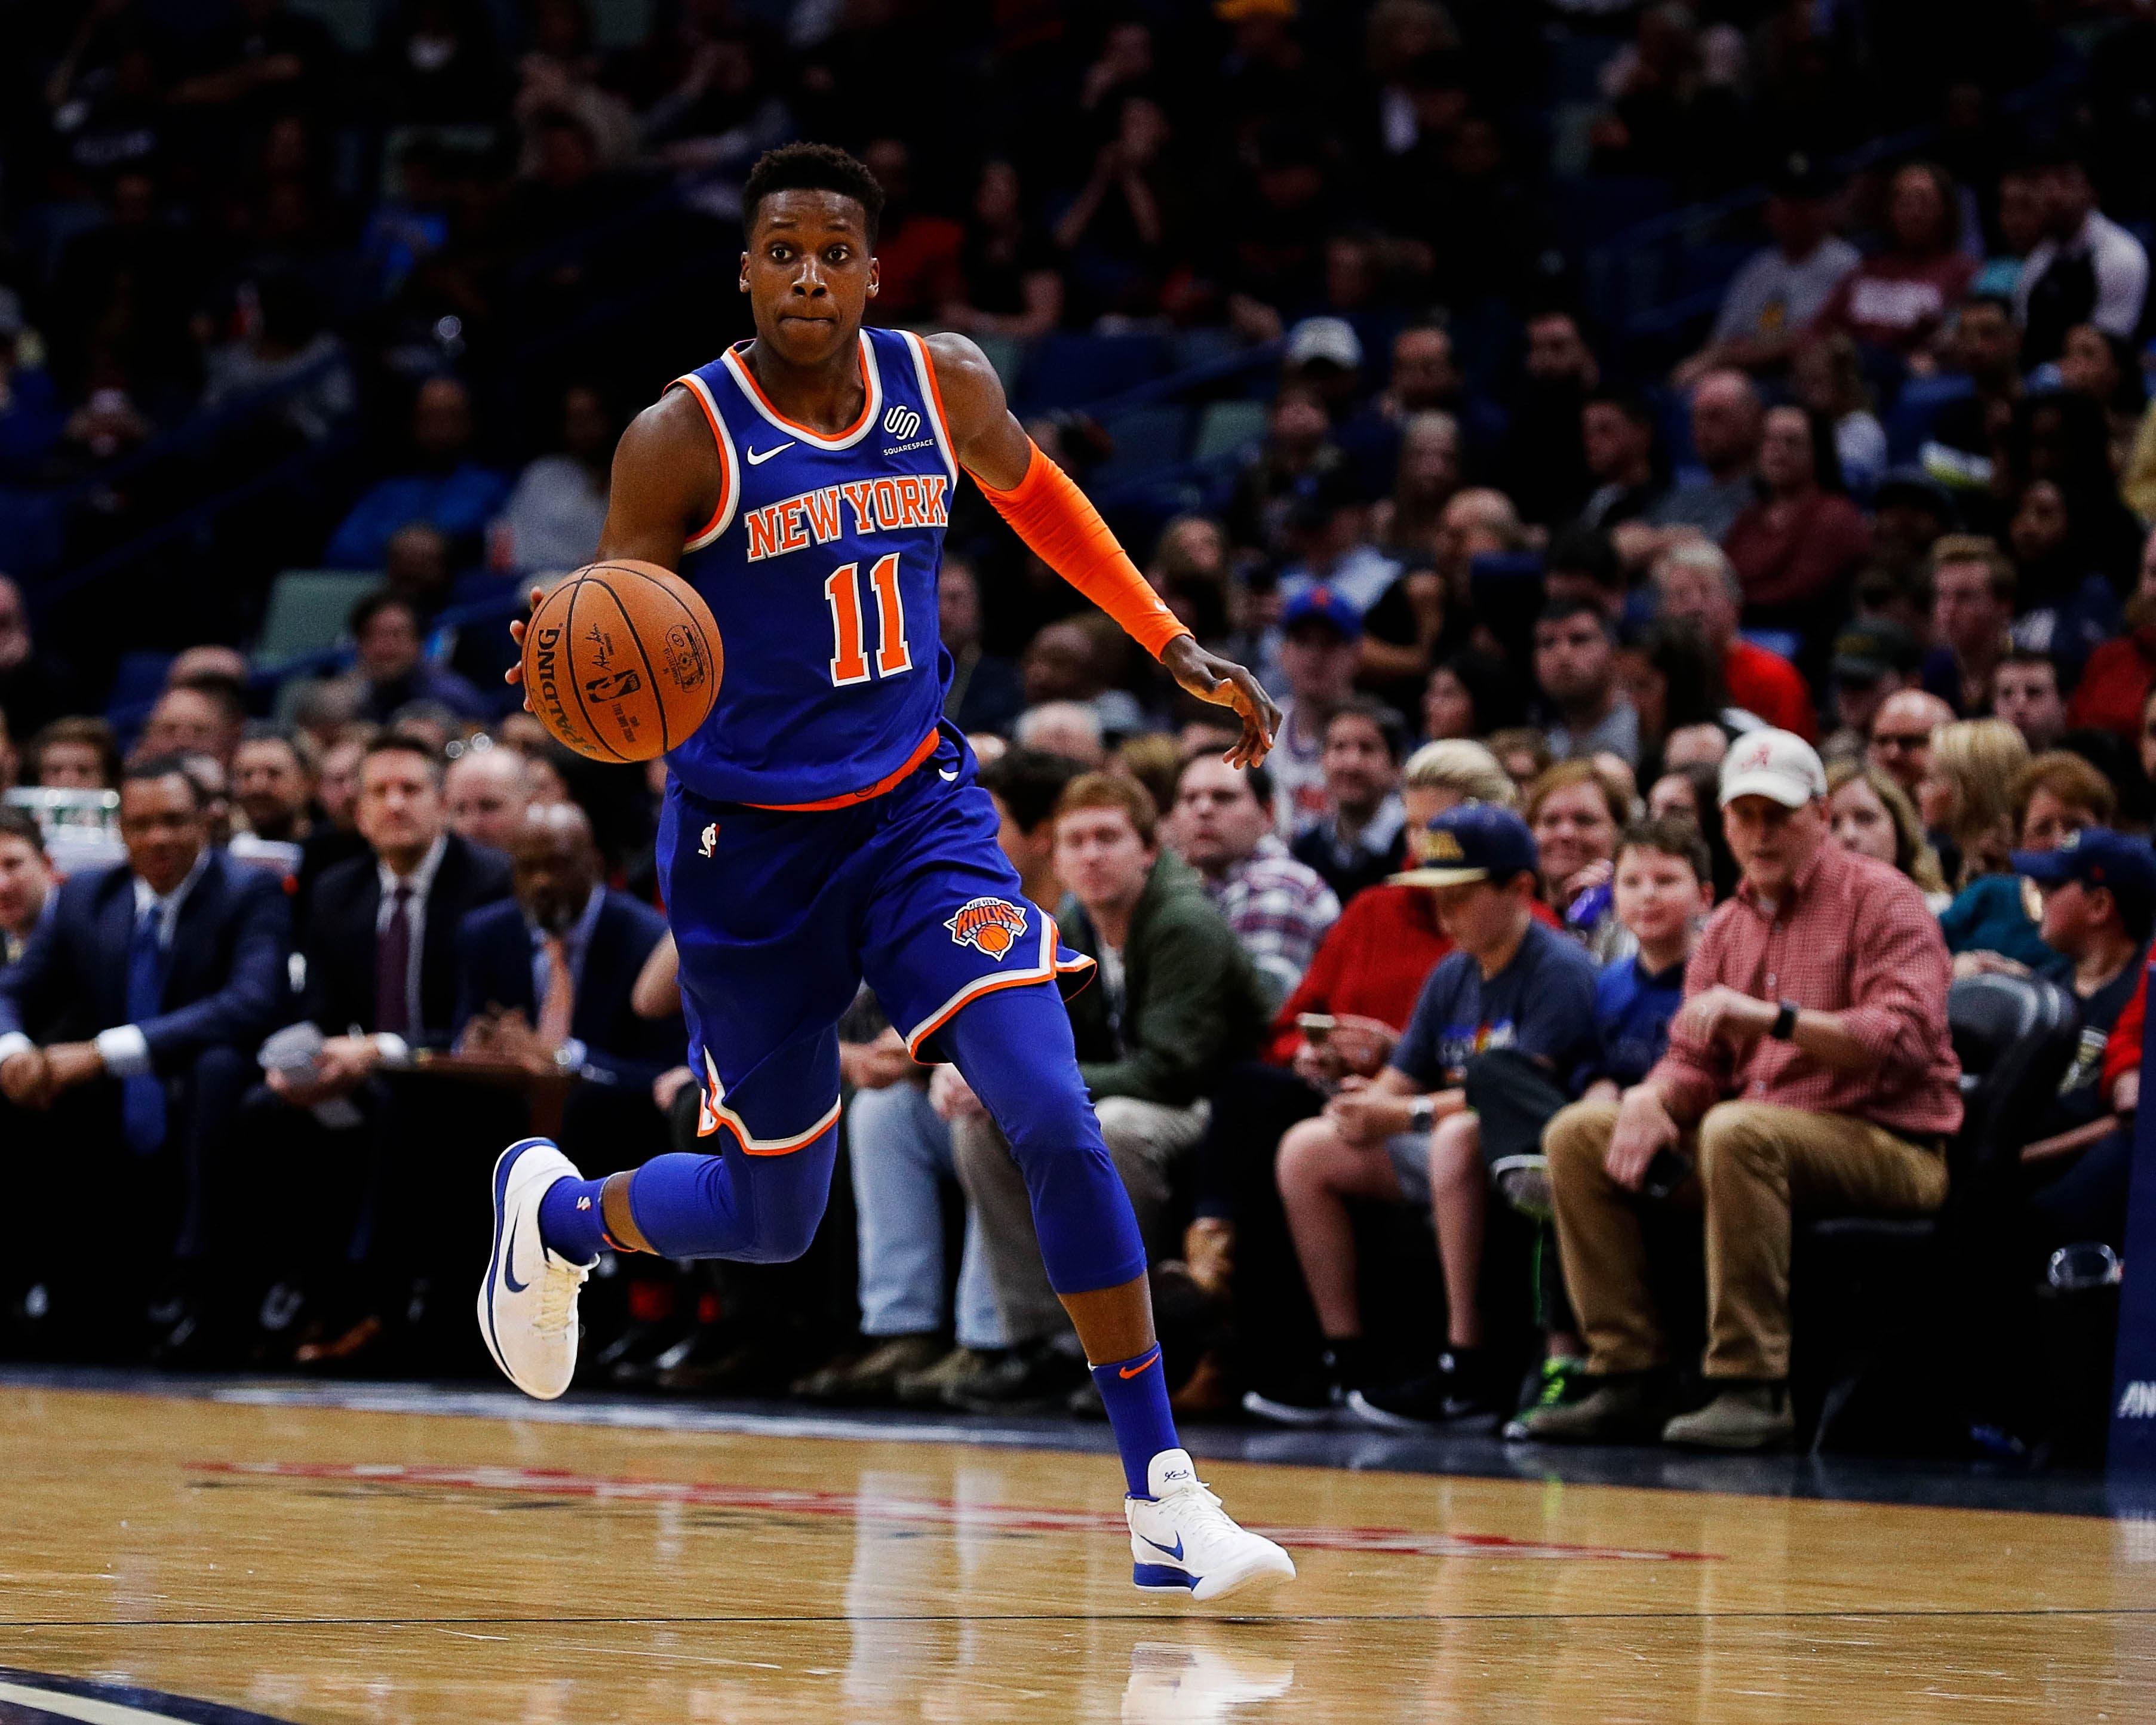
1558, 1382
926, 1388
1744, 1416
869, 1378
530, 1324
1315, 1397
1524, 1183
1035, 1379
1627, 1409
1460, 1387
1182, 1539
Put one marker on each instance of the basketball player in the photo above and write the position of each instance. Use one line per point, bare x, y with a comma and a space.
823, 825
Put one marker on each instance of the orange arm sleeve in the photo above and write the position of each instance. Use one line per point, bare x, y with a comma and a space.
1054, 517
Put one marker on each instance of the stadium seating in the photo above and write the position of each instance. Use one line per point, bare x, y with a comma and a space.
307, 611
1067, 370
1874, 1297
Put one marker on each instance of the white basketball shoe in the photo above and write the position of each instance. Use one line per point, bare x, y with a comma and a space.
527, 1305
1182, 1540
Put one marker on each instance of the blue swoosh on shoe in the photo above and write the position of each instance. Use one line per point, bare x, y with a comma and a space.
1174, 1551
509, 1280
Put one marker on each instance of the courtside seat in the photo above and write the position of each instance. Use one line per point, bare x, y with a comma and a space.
1880, 1297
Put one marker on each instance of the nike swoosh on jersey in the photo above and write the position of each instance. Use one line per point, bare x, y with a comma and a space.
757, 458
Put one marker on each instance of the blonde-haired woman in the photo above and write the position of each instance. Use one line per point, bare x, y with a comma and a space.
1995, 925
1968, 792
1467, 770
1869, 813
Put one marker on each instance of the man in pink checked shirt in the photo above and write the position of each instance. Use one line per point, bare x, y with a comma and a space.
1808, 1069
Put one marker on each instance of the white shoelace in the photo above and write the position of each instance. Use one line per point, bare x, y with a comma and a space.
1195, 1501
557, 1295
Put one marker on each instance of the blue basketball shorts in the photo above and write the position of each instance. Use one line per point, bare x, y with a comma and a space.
780, 915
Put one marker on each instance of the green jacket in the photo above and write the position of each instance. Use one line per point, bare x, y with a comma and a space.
1191, 1002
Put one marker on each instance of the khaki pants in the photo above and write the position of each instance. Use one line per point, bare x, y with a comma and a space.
1756, 1165
1145, 1141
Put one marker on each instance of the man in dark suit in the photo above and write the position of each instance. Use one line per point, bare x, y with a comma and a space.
381, 983
149, 987
544, 982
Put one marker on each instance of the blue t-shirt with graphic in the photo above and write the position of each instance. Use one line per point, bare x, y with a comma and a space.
1542, 1003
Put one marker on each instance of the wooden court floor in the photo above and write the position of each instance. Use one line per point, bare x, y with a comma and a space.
321, 1564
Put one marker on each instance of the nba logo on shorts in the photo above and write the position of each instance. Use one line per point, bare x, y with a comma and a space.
709, 840
988, 925
901, 423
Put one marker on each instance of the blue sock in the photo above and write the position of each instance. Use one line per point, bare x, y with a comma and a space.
1135, 1393
571, 1224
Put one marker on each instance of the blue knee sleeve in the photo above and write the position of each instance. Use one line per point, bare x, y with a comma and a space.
756, 1210
1015, 1047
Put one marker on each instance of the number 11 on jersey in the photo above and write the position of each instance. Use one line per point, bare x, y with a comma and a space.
849, 659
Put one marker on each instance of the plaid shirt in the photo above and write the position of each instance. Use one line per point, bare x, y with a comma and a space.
1280, 910
1853, 938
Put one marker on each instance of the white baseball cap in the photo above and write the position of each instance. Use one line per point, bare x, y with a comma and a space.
1331, 339
1777, 764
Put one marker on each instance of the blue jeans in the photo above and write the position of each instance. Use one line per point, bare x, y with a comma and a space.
901, 1156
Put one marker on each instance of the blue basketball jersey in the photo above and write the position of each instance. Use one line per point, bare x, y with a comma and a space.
820, 566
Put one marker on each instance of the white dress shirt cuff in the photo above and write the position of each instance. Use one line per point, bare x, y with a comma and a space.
393, 1049
125, 1051
15, 1043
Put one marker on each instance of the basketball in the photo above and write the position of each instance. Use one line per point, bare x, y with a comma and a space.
622, 661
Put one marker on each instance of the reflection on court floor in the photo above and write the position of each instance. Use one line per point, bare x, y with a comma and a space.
316, 1563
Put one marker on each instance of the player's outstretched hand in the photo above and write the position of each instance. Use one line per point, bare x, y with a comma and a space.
1226, 683
514, 676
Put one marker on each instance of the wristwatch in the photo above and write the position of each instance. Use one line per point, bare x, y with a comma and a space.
1785, 1022
1422, 1114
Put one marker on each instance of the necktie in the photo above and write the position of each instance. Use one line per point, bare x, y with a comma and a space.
559, 1007
142, 1096
392, 967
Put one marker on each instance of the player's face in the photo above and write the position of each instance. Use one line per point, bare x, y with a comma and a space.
808, 273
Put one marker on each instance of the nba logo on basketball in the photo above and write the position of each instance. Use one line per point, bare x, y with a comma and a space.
990, 925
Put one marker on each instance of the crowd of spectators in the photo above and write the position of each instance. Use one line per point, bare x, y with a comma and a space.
1663, 729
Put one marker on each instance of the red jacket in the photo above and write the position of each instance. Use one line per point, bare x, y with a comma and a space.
2114, 685
1793, 556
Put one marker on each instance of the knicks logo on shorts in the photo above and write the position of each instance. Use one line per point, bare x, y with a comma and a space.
988, 925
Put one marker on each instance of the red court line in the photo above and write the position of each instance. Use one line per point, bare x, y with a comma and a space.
554, 1482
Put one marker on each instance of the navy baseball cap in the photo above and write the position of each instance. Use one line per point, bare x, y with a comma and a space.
1473, 841
2097, 856
1323, 602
